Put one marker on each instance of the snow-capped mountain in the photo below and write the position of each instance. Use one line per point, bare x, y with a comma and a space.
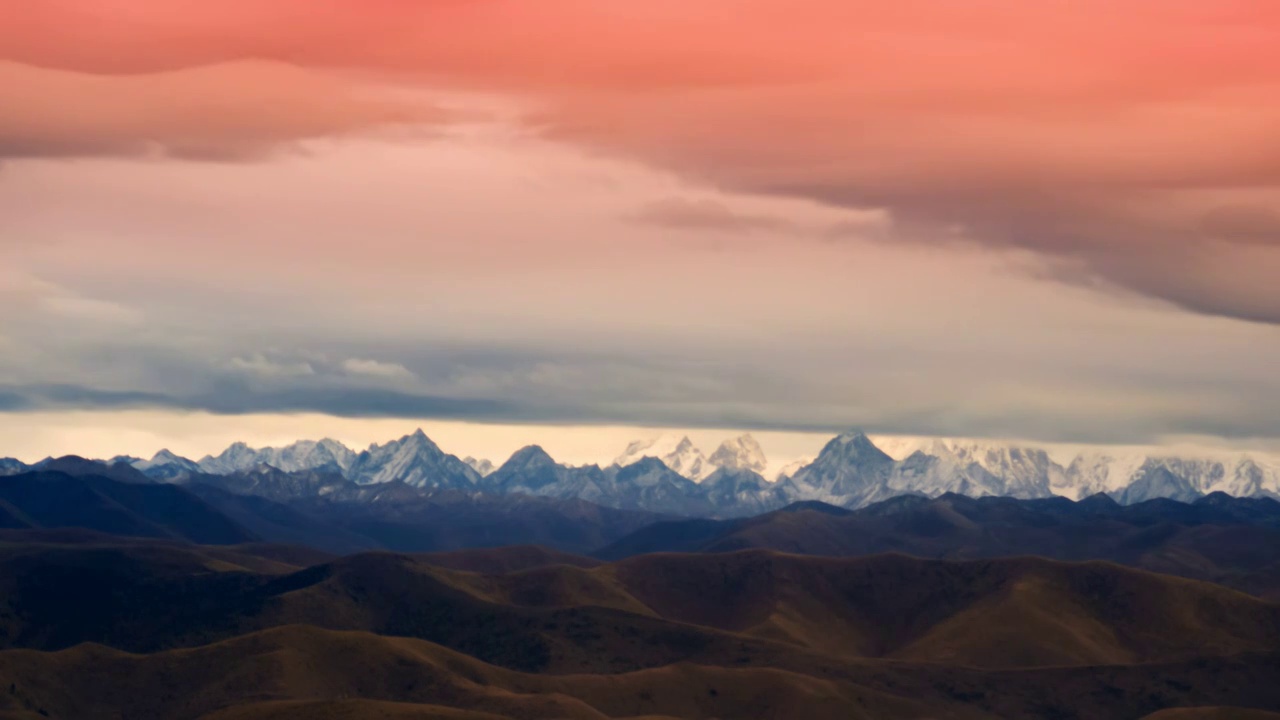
742, 492
672, 476
646, 484
1156, 480
126, 459
302, 455
166, 465
740, 453
481, 466
1093, 472
932, 467
275, 484
678, 454
977, 470
11, 466
682, 456
415, 460
850, 471
531, 471
1188, 478
791, 468
1246, 477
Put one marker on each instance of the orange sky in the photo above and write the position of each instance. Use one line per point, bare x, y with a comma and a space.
1124, 148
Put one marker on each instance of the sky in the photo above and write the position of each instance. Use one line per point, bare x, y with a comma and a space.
579, 221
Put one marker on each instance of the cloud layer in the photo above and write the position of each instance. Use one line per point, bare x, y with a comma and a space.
1133, 142
960, 218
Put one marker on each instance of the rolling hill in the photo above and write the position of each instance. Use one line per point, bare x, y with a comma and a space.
748, 634
60, 500
1233, 541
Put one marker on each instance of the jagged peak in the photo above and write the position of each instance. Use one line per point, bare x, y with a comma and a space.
167, 455
415, 439
648, 463
852, 435
528, 455
857, 443
742, 451
745, 440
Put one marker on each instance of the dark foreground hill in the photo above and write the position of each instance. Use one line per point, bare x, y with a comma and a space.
387, 516
1233, 541
155, 630
55, 499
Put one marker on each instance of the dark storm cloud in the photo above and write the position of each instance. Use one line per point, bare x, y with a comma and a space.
231, 399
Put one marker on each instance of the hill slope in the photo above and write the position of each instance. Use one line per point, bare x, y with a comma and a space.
1233, 541
647, 611
60, 500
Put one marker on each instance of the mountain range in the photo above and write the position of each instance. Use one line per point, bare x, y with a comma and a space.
682, 456
670, 475
189, 594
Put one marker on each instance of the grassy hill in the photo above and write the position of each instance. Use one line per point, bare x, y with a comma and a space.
155, 630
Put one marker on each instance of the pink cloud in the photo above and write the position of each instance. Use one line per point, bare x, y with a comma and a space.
219, 111
1112, 136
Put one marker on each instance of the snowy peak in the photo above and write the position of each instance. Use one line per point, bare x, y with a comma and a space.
237, 456
325, 454
855, 447
678, 454
741, 492
166, 465
1094, 472
166, 459
740, 453
791, 468
531, 457
991, 467
995, 468
850, 471
415, 460
670, 474
482, 467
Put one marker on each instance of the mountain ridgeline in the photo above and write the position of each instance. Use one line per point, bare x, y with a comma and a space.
672, 476
402, 582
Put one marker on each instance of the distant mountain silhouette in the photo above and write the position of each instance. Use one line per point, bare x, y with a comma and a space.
143, 509
312, 508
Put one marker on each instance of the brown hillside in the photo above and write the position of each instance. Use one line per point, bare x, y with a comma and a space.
1230, 541
748, 634
505, 559
648, 611
345, 710
296, 669
1019, 612
1213, 713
